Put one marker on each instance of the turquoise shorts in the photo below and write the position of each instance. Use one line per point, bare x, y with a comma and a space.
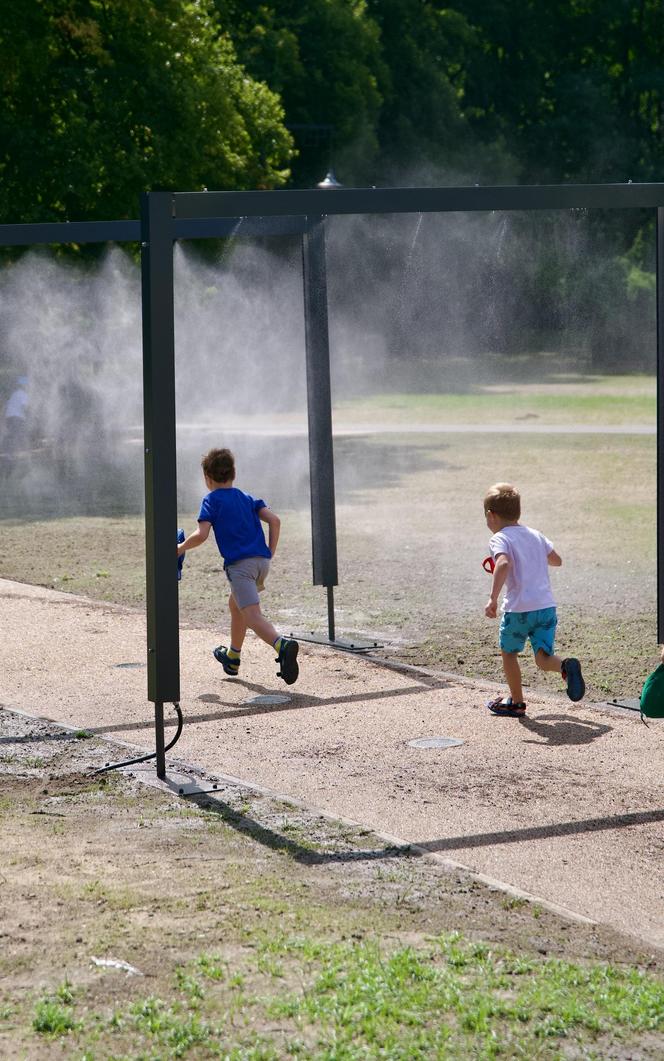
539, 627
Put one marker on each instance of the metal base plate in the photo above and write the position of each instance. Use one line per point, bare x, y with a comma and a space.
345, 645
435, 742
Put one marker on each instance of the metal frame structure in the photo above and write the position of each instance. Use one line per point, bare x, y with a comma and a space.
169, 216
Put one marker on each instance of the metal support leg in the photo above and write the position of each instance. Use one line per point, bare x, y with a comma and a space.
319, 410
160, 457
159, 739
660, 424
330, 613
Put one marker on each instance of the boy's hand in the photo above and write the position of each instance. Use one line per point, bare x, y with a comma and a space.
491, 609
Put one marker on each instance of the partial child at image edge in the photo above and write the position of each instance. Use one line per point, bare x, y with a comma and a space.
652, 694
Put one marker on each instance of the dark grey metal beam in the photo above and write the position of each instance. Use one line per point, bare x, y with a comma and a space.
130, 231
200, 215
319, 411
660, 424
160, 457
315, 201
223, 227
70, 232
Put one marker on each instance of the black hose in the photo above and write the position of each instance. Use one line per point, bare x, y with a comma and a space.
150, 755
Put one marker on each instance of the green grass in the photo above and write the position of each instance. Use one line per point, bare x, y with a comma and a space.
509, 404
54, 1015
448, 997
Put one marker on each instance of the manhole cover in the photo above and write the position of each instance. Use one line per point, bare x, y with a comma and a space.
268, 698
435, 742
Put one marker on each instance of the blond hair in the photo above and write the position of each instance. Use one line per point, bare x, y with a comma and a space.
503, 499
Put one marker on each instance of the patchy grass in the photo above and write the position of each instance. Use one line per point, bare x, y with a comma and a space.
300, 996
244, 951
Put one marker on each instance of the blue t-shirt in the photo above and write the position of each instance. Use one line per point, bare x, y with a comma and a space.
234, 518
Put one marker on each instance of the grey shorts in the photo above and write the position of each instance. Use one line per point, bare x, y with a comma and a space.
247, 579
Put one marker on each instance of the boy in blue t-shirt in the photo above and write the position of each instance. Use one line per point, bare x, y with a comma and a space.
236, 518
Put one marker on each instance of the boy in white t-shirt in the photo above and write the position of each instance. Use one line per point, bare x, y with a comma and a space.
522, 558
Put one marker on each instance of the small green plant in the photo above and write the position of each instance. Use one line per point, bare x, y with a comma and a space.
34, 762
513, 902
53, 1014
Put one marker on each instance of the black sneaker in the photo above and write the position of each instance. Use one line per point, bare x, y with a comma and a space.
576, 686
231, 666
287, 660
181, 538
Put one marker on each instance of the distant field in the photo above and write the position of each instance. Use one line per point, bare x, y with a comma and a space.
411, 533
563, 400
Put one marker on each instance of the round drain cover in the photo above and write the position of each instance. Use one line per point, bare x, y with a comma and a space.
268, 698
435, 742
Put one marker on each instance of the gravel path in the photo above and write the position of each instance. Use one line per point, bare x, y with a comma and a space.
565, 805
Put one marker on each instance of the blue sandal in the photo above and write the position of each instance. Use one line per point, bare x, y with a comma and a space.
504, 705
571, 672
287, 660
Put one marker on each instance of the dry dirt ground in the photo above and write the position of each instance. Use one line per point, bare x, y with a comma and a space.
565, 805
105, 868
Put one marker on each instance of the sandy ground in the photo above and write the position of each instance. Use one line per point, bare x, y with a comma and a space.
566, 805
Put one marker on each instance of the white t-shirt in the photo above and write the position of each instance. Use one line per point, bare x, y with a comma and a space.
527, 586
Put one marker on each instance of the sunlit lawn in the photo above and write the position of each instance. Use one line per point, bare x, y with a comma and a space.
411, 535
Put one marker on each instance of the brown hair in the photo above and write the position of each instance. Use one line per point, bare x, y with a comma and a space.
219, 465
503, 499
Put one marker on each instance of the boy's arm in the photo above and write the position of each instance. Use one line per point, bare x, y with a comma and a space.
196, 537
553, 559
499, 575
274, 527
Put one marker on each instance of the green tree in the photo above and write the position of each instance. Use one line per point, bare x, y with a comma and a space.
105, 98
574, 88
324, 59
423, 127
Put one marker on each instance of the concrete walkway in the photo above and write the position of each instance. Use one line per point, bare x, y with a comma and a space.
567, 804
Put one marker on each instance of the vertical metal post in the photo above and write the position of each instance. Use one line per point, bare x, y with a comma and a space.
163, 646
660, 424
330, 613
319, 411
159, 739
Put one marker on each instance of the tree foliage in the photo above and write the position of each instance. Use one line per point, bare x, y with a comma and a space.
105, 98
575, 88
324, 58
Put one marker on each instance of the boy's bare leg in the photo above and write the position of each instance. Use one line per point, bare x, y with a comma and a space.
256, 621
238, 624
513, 675
546, 662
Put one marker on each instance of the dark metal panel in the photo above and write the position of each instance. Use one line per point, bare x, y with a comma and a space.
160, 449
660, 423
222, 227
319, 406
70, 232
315, 201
